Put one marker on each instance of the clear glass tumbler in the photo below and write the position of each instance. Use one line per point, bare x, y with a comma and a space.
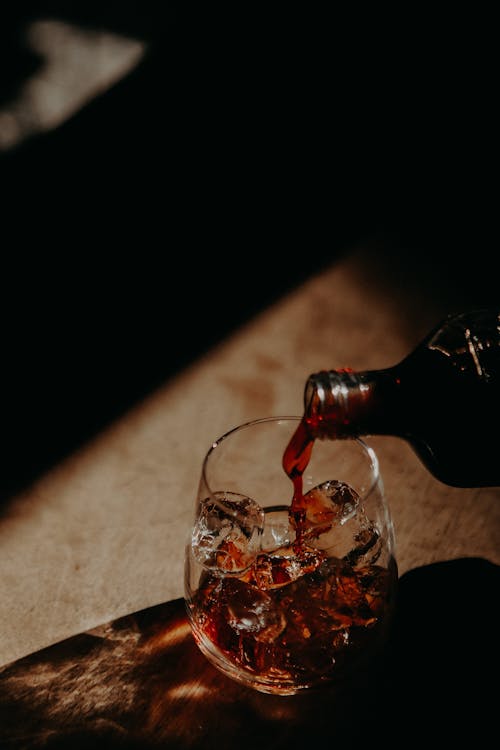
280, 600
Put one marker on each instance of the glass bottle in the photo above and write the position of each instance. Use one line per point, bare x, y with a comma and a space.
443, 399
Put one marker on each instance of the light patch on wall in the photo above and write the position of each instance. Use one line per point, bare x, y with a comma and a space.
78, 65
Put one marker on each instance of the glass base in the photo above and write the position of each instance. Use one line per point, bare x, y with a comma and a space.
273, 685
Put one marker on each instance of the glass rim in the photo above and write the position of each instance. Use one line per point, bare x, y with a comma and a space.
367, 449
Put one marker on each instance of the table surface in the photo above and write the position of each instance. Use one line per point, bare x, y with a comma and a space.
101, 535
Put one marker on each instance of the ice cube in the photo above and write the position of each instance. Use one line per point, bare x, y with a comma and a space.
335, 522
330, 503
357, 540
368, 546
253, 611
285, 565
278, 531
227, 533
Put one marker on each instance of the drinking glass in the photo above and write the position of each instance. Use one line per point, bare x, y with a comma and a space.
282, 599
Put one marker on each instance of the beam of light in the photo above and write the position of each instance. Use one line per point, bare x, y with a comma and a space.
78, 65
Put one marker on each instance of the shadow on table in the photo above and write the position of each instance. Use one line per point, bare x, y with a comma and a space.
211, 180
140, 681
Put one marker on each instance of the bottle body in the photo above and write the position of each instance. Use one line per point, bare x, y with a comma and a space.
443, 399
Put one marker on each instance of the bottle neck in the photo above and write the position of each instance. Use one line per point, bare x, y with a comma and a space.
342, 403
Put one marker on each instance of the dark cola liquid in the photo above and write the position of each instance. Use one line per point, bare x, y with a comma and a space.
298, 614
295, 460
320, 622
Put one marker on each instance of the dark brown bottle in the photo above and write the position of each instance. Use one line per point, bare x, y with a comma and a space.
443, 399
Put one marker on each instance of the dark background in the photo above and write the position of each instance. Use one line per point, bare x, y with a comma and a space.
250, 148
